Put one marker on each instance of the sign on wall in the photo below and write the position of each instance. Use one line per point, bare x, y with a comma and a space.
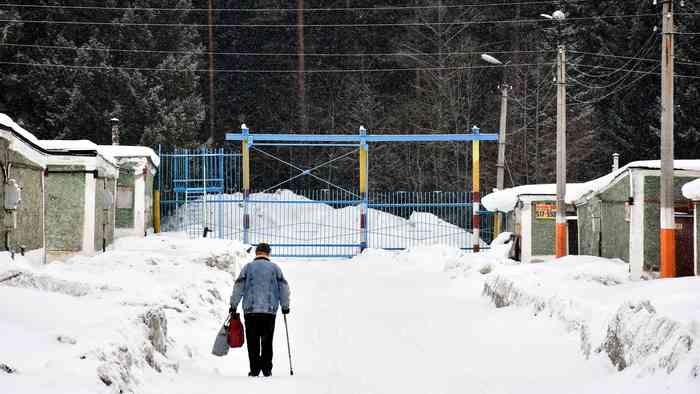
545, 211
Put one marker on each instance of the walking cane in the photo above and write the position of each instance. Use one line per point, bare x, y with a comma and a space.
289, 351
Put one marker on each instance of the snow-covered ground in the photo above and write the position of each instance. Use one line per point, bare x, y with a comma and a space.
143, 317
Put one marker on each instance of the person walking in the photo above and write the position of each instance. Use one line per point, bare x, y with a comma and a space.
263, 288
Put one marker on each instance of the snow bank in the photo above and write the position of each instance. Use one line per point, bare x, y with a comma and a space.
306, 221
691, 190
106, 323
648, 325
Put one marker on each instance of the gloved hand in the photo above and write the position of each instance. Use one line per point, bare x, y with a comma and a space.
285, 311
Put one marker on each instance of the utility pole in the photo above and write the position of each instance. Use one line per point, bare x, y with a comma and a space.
561, 227
211, 73
301, 83
668, 225
500, 166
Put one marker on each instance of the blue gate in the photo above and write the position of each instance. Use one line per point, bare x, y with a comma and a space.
201, 194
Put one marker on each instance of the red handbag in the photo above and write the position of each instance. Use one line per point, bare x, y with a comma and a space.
236, 335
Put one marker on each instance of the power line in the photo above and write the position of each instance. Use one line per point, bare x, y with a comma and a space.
636, 71
267, 54
682, 61
333, 25
241, 71
284, 10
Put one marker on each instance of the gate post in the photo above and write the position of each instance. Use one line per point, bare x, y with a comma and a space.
245, 150
476, 195
364, 172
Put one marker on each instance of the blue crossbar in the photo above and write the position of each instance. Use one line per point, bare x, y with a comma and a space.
362, 138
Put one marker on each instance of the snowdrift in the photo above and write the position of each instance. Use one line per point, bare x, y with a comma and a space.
106, 323
300, 220
647, 326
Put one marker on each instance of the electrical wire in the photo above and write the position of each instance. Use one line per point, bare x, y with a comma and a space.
269, 54
614, 91
342, 25
283, 10
643, 51
681, 61
240, 71
638, 71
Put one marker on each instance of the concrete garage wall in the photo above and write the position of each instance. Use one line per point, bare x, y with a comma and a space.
30, 213
149, 201
652, 187
104, 218
587, 238
125, 198
615, 229
65, 213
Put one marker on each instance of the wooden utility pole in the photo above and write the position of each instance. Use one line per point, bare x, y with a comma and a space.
561, 227
212, 106
500, 166
668, 226
301, 83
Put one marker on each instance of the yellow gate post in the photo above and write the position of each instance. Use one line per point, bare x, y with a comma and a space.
476, 195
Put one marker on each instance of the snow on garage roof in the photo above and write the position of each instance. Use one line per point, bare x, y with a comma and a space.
505, 200
691, 190
8, 122
120, 151
69, 146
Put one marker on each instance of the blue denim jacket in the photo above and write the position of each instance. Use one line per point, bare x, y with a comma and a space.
262, 287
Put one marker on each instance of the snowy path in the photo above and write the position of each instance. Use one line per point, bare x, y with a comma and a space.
363, 328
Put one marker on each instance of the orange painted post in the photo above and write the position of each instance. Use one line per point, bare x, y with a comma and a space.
476, 194
668, 253
667, 219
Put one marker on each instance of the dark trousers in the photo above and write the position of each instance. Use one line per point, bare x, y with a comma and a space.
260, 329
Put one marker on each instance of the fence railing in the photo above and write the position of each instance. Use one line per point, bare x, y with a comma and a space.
201, 195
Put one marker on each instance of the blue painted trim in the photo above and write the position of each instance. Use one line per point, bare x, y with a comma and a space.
362, 138
419, 205
313, 245
302, 202
314, 256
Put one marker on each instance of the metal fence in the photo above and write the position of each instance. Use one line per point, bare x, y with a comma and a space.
201, 195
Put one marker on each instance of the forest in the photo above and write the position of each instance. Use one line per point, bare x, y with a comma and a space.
406, 66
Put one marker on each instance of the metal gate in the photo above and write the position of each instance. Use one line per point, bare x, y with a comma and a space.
202, 194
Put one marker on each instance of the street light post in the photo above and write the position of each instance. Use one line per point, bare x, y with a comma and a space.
668, 227
560, 243
561, 226
500, 166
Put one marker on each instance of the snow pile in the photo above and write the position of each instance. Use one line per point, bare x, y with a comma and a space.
110, 322
296, 219
691, 190
648, 325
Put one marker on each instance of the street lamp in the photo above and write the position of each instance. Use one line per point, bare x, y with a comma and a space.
560, 245
500, 166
